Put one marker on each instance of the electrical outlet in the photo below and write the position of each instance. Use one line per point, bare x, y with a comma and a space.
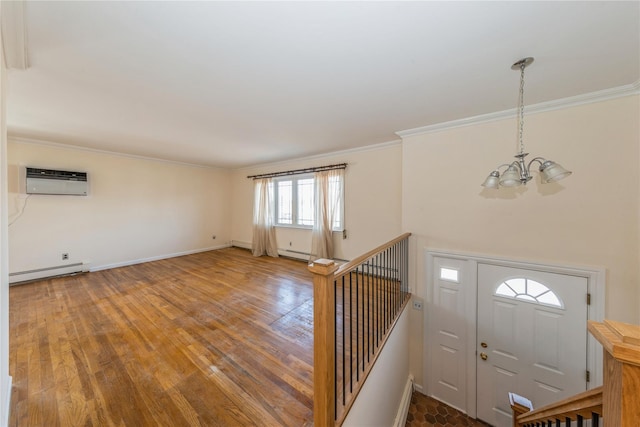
417, 305
65, 256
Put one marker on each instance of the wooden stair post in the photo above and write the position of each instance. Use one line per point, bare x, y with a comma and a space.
621, 366
517, 410
324, 342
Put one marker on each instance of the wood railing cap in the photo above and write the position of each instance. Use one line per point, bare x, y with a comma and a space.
323, 266
621, 340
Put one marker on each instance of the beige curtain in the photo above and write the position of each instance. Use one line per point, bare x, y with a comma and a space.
264, 208
328, 193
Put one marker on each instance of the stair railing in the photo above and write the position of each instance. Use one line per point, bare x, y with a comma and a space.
356, 306
616, 403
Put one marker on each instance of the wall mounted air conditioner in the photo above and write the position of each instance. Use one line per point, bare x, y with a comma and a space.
49, 181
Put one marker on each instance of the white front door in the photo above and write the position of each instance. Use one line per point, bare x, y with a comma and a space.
531, 338
448, 344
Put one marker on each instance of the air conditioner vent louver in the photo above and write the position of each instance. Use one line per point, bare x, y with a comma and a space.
50, 181
55, 174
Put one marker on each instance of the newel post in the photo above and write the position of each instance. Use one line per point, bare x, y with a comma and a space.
516, 410
621, 369
324, 342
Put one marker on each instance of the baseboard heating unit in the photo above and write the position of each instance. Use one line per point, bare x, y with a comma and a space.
41, 273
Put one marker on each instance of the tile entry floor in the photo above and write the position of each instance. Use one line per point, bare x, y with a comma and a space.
427, 412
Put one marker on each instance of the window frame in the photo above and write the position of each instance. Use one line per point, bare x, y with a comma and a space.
527, 296
338, 226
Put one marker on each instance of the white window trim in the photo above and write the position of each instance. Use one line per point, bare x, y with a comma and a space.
526, 296
294, 201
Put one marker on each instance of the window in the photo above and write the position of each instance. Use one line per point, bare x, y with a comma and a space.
295, 201
449, 274
528, 290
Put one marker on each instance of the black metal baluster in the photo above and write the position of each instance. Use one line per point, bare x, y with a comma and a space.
385, 262
369, 314
394, 282
396, 274
387, 282
372, 283
390, 285
377, 276
335, 352
350, 358
344, 377
357, 329
385, 294
406, 265
579, 420
595, 420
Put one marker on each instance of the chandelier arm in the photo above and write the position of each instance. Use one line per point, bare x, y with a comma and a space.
540, 160
503, 165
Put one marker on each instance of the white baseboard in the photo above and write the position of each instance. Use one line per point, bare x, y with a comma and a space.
156, 258
304, 256
403, 410
41, 273
240, 244
7, 407
419, 388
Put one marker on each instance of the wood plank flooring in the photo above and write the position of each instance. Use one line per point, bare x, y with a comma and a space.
213, 339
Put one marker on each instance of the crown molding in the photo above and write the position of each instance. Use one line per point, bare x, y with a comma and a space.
557, 104
14, 34
372, 147
25, 140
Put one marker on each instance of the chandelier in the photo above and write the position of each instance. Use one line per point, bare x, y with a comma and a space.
518, 172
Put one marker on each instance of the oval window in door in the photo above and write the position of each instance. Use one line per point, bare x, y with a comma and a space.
528, 290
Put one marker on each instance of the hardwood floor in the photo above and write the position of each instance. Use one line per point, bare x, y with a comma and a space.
213, 339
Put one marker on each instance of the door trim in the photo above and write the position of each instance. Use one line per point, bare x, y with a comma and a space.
596, 282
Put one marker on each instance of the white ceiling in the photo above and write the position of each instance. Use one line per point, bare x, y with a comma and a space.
232, 84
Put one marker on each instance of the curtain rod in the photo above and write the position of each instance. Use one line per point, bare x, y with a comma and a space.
300, 171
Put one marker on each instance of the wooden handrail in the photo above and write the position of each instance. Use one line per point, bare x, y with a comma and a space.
354, 263
583, 404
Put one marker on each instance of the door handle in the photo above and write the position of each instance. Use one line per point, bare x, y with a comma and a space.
483, 356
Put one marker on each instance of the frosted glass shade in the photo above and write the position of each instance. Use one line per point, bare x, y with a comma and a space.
492, 180
511, 178
551, 171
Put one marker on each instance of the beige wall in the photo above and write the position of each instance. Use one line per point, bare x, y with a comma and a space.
588, 219
136, 209
373, 180
5, 381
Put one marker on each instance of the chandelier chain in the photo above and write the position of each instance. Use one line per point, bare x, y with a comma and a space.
521, 109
